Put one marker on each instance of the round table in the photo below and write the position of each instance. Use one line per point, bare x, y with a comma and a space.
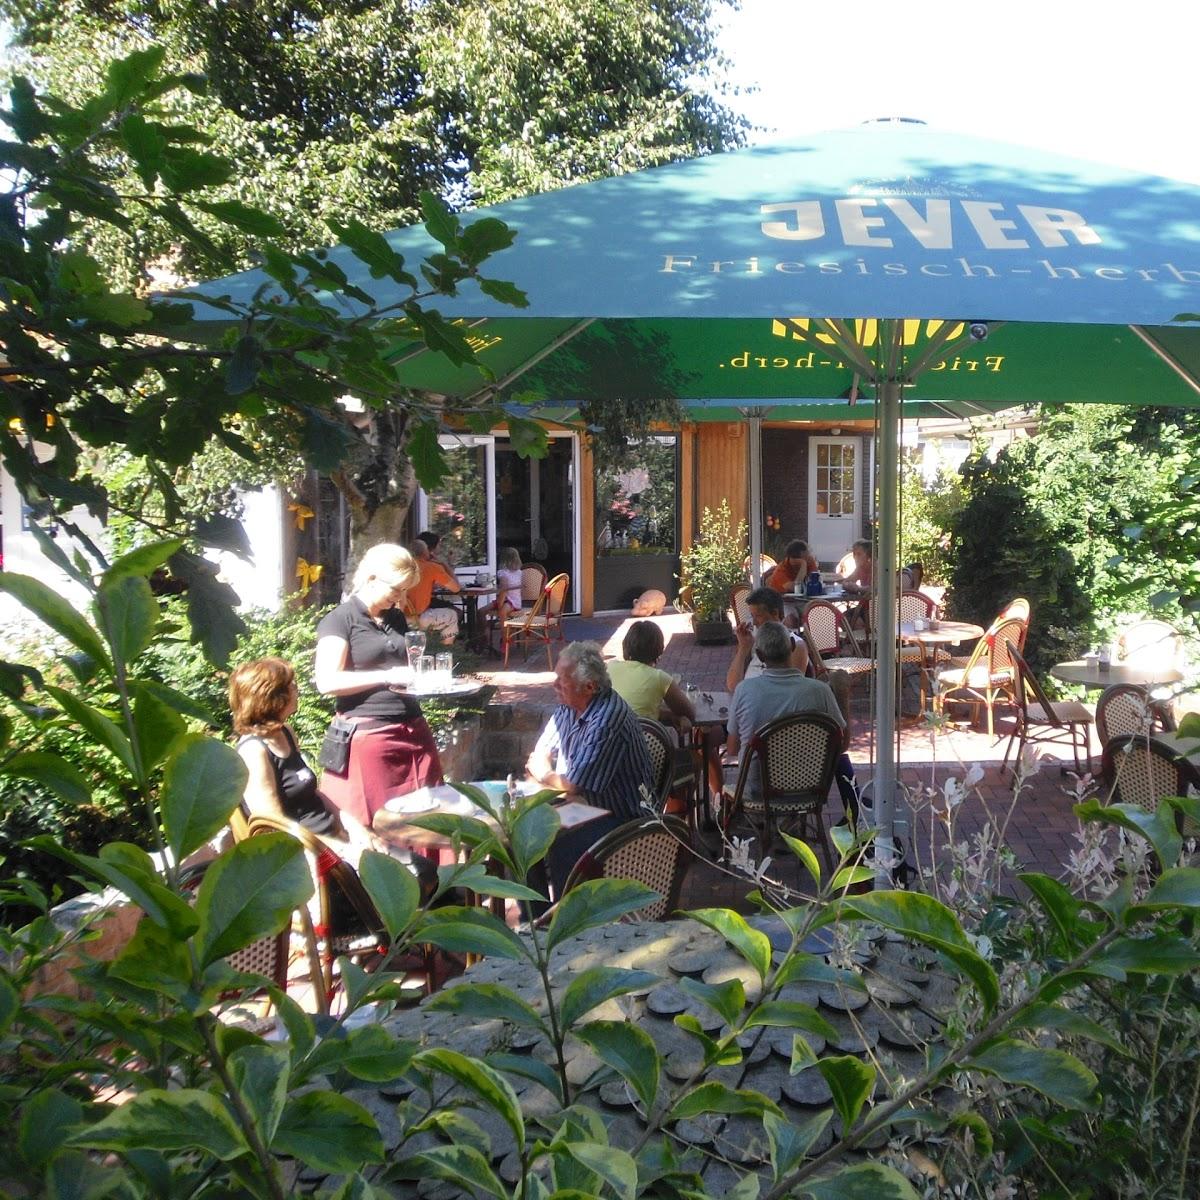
947, 633
1089, 673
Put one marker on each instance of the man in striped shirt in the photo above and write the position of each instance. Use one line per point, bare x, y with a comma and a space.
592, 749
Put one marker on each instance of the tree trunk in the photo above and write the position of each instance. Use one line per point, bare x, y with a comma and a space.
379, 485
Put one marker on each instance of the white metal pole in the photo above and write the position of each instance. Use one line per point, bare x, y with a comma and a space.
883, 790
754, 450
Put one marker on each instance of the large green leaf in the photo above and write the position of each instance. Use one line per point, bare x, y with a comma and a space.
532, 833
460, 1165
863, 1181
1059, 1076
469, 931
249, 892
184, 1119
630, 1052
725, 999
488, 1002
1175, 888
614, 1166
804, 852
48, 606
50, 1117
752, 944
203, 784
490, 1086
928, 921
595, 985
790, 1014
850, 1080
1167, 954
10, 1003
716, 1097
141, 562
51, 771
261, 1075
328, 1132
101, 727
1064, 1020
393, 888
173, 698
790, 1141
156, 725
372, 1053
594, 903
1157, 827
1060, 906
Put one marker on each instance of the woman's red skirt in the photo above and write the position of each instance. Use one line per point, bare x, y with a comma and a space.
386, 760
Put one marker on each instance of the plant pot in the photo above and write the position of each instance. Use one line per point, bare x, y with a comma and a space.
716, 632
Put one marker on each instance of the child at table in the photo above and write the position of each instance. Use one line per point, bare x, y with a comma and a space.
508, 584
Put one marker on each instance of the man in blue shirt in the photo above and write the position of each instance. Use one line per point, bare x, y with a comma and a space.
593, 750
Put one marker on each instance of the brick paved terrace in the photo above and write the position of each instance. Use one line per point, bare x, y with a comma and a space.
1040, 826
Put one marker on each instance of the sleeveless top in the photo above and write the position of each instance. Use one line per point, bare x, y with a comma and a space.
297, 787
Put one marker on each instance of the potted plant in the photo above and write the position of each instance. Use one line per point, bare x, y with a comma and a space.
710, 569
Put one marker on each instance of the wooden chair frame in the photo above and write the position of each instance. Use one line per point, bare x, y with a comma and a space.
781, 799
1048, 721
737, 602
1128, 708
654, 852
543, 622
988, 676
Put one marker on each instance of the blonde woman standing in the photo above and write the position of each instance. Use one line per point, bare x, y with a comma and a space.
362, 661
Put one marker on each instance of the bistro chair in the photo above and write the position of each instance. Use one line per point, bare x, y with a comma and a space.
796, 756
1040, 719
831, 642
737, 602
533, 580
989, 676
1128, 708
542, 624
1142, 770
765, 564
910, 606
347, 923
1152, 643
674, 767
654, 852
1014, 610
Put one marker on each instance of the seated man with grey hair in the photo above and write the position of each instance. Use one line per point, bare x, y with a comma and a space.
593, 750
780, 690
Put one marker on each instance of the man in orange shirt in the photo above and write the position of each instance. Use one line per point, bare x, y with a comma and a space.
417, 608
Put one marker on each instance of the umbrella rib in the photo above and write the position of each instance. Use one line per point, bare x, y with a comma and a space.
531, 362
1168, 358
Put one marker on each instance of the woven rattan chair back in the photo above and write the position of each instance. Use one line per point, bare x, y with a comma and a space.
654, 852
1125, 709
1139, 769
737, 601
797, 756
823, 625
556, 596
911, 605
1152, 644
661, 749
533, 579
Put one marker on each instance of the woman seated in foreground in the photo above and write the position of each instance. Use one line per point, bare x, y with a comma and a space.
263, 694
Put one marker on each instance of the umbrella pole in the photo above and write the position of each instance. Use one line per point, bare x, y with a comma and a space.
883, 788
754, 449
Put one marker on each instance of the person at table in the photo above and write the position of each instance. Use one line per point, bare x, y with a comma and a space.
797, 564
765, 604
419, 604
638, 681
911, 577
362, 661
592, 750
508, 586
858, 582
263, 694
779, 690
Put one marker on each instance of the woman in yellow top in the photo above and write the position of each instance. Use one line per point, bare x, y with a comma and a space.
647, 690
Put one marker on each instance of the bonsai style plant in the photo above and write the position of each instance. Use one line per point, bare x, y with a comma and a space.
710, 570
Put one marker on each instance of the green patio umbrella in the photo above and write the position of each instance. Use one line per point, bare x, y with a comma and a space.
843, 273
